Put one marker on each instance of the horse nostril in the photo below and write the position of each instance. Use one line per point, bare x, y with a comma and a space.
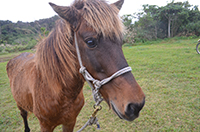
130, 110
133, 109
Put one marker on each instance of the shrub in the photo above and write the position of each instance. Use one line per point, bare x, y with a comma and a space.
1, 48
9, 49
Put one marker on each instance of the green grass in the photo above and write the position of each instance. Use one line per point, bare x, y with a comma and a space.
169, 74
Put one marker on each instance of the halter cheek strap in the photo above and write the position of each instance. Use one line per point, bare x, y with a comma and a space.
95, 84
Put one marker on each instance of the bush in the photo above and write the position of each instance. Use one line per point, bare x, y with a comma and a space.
9, 49
30, 46
129, 36
1, 48
17, 48
20, 47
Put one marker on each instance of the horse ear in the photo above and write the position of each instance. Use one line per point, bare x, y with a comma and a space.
70, 14
119, 4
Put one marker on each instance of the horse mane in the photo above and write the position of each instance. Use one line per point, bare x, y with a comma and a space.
55, 55
55, 58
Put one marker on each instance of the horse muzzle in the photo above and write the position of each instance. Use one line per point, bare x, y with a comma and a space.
131, 112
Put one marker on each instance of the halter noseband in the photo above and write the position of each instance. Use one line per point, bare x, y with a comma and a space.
96, 83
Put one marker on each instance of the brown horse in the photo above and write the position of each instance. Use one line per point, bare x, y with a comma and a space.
49, 84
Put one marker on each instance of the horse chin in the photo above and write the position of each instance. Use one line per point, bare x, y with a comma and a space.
120, 115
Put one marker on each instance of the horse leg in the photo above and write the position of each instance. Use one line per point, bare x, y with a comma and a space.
69, 127
24, 115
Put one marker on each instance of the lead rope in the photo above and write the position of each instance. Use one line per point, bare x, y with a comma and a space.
95, 86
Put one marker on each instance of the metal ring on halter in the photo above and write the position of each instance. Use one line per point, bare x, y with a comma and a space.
99, 107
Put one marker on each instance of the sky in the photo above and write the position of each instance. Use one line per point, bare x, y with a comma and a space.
31, 10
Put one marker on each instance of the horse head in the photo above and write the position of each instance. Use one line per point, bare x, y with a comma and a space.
99, 33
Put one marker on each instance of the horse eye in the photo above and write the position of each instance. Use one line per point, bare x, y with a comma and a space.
91, 42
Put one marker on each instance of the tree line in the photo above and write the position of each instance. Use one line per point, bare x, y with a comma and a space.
154, 22
22, 32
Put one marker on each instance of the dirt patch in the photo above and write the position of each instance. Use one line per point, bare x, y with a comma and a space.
3, 59
7, 57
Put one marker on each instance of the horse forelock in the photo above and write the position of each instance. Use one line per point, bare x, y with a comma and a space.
102, 17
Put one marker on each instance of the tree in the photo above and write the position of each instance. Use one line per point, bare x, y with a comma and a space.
176, 14
193, 26
152, 12
0, 34
129, 35
127, 20
147, 27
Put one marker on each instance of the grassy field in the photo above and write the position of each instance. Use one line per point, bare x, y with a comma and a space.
169, 74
